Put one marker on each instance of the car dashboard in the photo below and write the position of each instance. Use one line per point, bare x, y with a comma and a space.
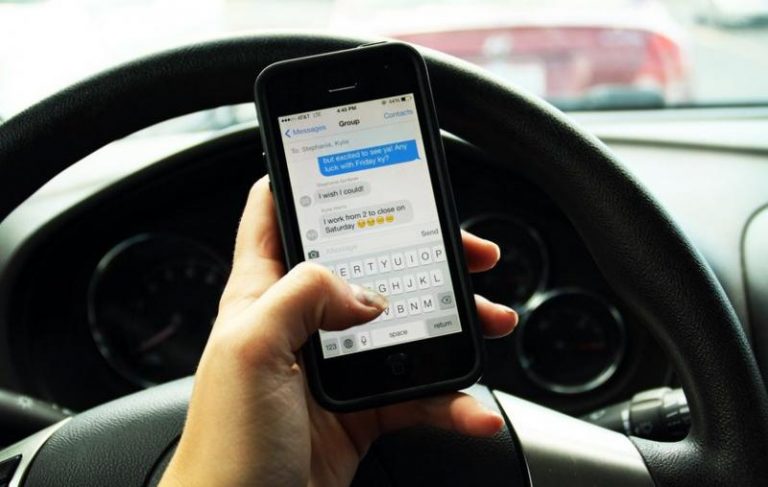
110, 275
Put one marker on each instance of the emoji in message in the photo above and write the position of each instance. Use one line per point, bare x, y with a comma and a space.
372, 221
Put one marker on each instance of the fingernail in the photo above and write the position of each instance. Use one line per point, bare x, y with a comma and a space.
498, 250
499, 420
368, 297
508, 311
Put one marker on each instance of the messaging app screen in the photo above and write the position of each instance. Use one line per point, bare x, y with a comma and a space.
366, 210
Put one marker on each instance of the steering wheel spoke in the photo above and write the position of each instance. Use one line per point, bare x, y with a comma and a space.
562, 450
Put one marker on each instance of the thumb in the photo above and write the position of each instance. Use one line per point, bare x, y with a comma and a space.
306, 299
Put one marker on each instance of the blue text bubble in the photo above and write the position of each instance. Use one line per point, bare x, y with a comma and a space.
368, 158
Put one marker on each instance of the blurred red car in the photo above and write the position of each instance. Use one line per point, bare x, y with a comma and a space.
585, 55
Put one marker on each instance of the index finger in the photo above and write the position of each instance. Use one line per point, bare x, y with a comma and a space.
257, 262
481, 254
258, 237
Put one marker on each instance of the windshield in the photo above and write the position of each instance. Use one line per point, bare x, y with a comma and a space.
579, 55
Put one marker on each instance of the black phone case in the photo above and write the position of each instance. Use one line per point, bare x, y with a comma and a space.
452, 231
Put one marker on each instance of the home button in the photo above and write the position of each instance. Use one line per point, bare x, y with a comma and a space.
398, 364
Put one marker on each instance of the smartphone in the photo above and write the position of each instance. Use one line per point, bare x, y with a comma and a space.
361, 186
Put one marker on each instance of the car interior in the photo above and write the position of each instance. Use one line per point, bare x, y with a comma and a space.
633, 245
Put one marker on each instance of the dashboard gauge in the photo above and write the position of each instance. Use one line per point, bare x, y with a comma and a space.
151, 304
523, 265
570, 341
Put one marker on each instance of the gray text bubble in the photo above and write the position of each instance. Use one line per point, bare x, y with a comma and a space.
383, 215
342, 192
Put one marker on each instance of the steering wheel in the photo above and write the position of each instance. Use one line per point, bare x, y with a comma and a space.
641, 252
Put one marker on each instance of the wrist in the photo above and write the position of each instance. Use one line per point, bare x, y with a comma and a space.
171, 478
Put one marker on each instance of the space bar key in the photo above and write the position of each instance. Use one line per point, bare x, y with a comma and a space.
403, 332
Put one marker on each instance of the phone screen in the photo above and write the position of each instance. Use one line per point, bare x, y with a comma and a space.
367, 211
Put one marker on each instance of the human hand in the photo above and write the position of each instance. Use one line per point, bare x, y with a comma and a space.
252, 420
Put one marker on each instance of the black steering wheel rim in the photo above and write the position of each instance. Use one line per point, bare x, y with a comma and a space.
641, 252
